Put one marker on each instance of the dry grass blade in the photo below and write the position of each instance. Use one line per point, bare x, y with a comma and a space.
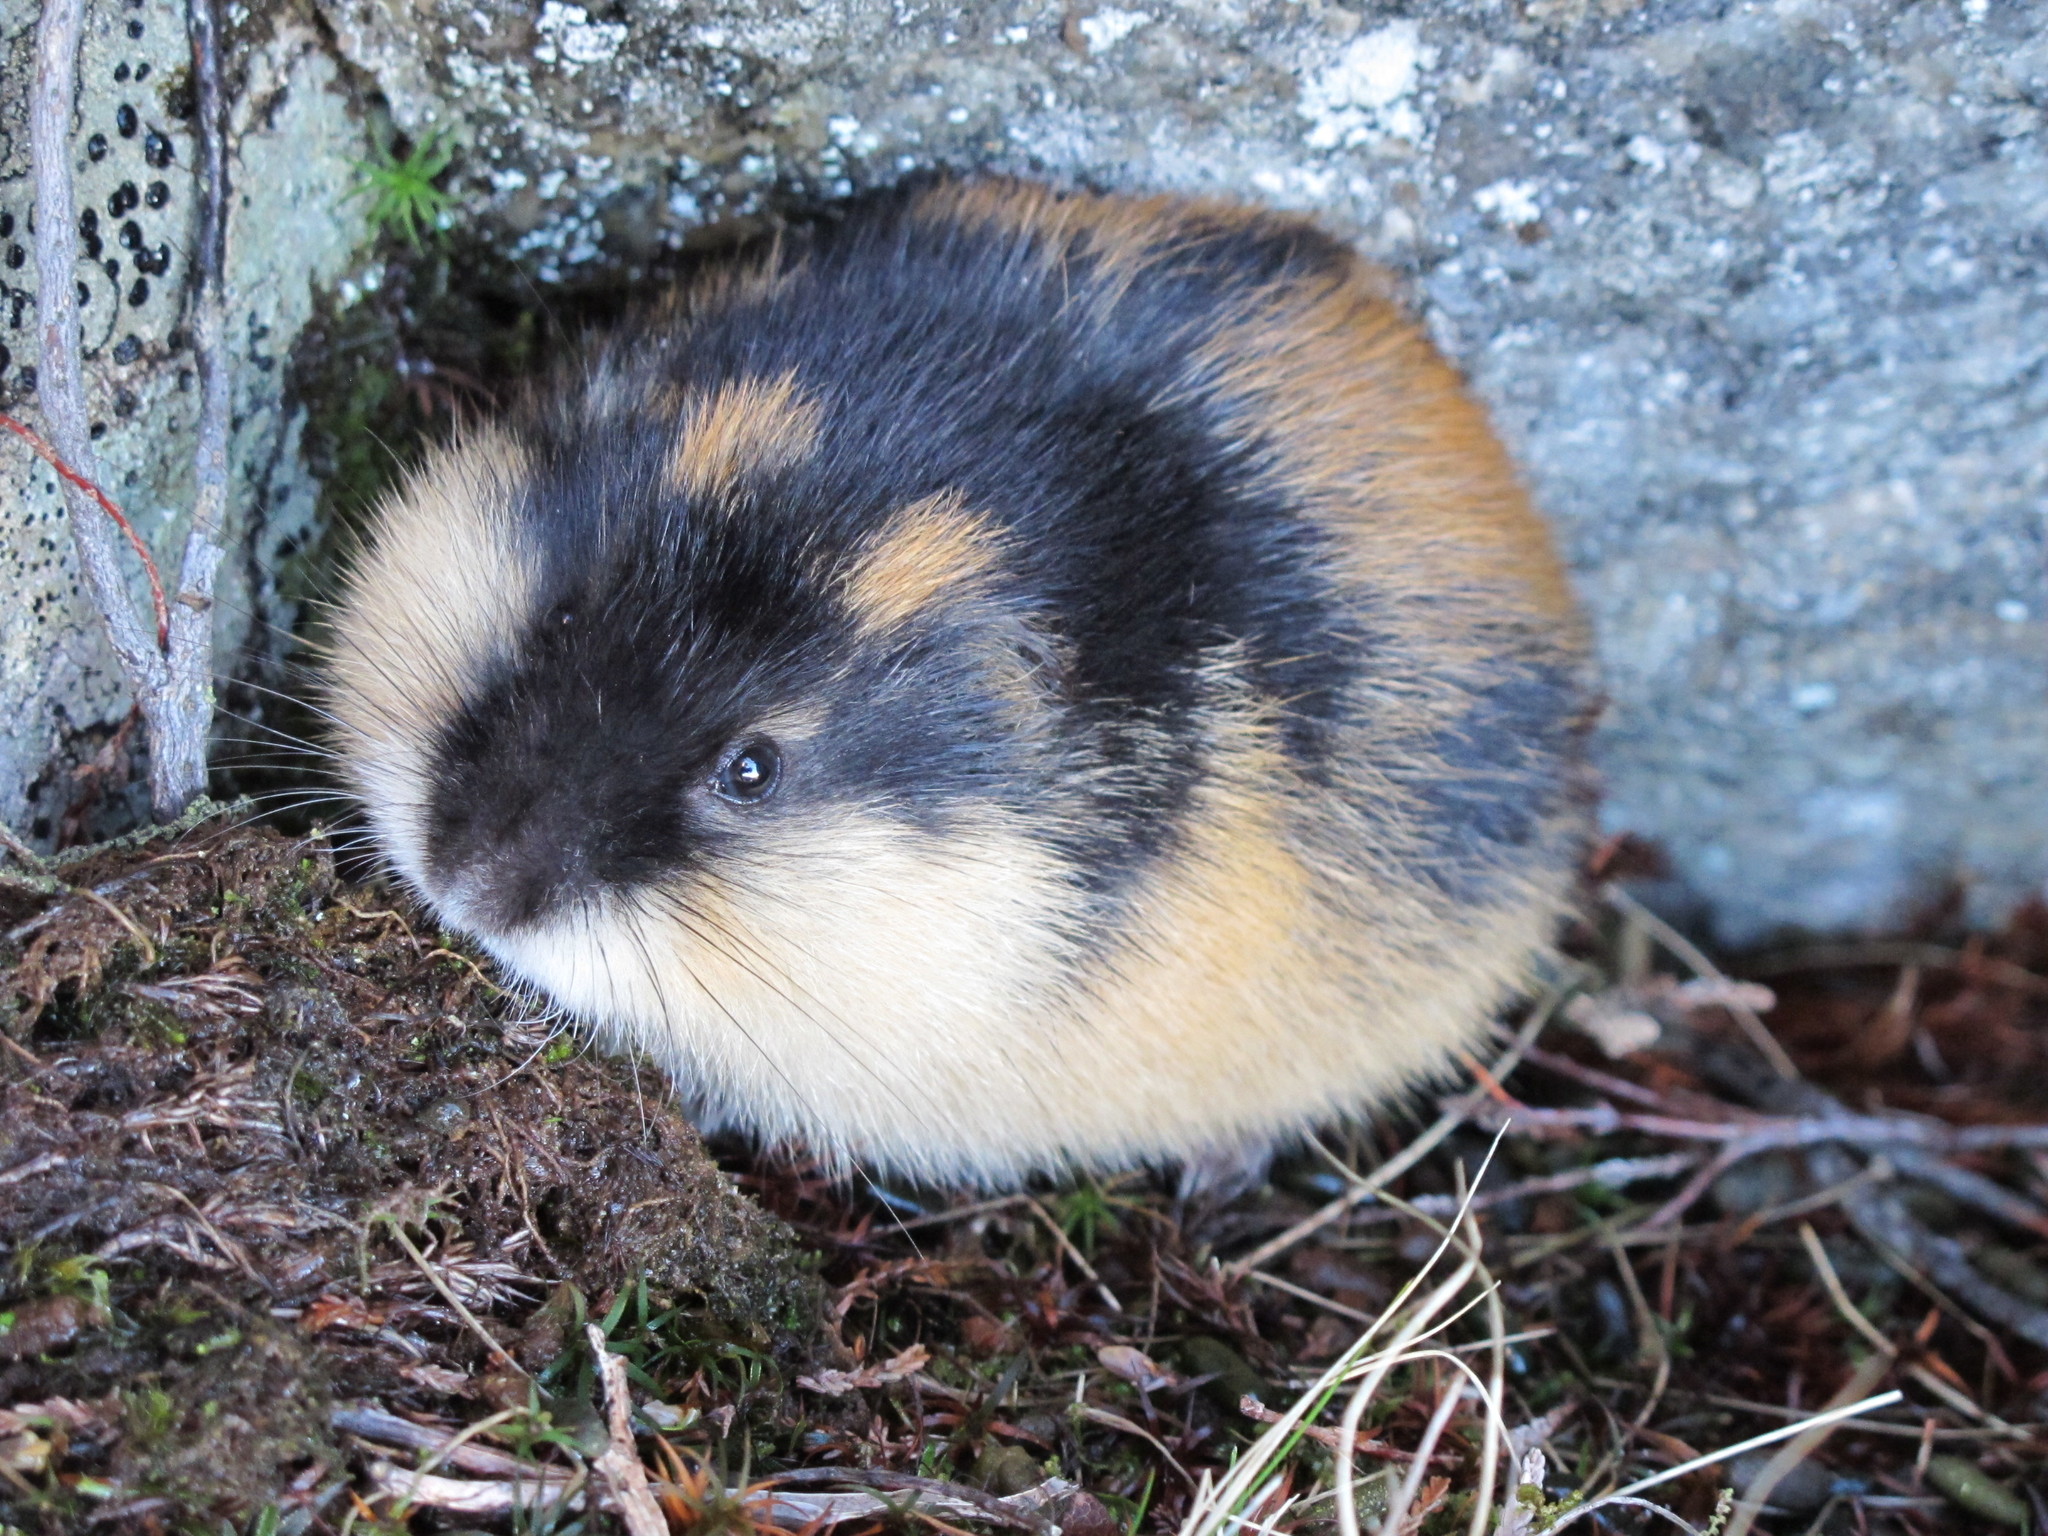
1818, 1421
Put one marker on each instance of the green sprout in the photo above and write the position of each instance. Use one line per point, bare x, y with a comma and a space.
403, 197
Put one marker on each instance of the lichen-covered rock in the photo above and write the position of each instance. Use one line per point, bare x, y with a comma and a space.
1752, 290
294, 139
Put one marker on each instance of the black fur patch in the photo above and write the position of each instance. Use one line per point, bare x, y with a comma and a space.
941, 359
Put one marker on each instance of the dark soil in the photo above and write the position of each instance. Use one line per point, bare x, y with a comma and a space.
248, 1116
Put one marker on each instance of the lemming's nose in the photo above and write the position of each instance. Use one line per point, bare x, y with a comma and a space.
527, 867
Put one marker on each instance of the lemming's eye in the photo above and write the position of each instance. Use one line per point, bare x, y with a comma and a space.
750, 774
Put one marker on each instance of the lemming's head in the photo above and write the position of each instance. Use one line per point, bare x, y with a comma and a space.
594, 669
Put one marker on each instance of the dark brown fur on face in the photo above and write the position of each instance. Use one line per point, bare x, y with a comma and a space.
1003, 679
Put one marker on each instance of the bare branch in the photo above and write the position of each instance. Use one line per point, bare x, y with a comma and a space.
170, 677
178, 740
59, 388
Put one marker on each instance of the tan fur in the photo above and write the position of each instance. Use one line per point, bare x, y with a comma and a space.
857, 986
928, 1000
931, 550
438, 592
751, 424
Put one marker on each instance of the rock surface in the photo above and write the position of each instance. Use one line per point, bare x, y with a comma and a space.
1753, 289
295, 136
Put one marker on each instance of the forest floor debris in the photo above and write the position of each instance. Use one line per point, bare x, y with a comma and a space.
308, 1227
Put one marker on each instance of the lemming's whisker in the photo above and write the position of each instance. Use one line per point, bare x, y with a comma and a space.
715, 936
668, 1016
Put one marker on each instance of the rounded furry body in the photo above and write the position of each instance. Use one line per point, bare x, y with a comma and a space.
1000, 680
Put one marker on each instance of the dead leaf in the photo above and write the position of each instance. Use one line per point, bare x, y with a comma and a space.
1135, 1367
896, 1368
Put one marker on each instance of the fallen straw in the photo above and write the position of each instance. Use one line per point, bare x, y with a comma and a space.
1756, 1442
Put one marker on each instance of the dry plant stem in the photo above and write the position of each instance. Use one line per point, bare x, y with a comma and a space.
1395, 1353
1762, 1133
1066, 1246
178, 736
620, 1464
1758, 1033
1838, 1293
1755, 1442
169, 675
59, 386
1411, 1485
469, 1321
1779, 1467
1861, 1381
28, 857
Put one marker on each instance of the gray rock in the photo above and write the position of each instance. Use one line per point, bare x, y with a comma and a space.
1753, 290
295, 138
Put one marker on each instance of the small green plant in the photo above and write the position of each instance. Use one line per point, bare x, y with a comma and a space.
403, 197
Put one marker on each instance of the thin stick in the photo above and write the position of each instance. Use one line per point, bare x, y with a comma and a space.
1684, 949
619, 1465
1066, 1246
177, 748
1761, 1133
55, 460
59, 388
1838, 1293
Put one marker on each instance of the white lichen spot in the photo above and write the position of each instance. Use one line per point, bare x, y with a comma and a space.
1812, 698
1110, 26
1509, 202
1296, 186
568, 33
1016, 34
1363, 95
1648, 153
1729, 182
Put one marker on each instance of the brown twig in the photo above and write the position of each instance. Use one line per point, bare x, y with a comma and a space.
619, 1464
1758, 1133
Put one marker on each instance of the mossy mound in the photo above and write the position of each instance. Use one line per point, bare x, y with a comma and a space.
269, 1145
